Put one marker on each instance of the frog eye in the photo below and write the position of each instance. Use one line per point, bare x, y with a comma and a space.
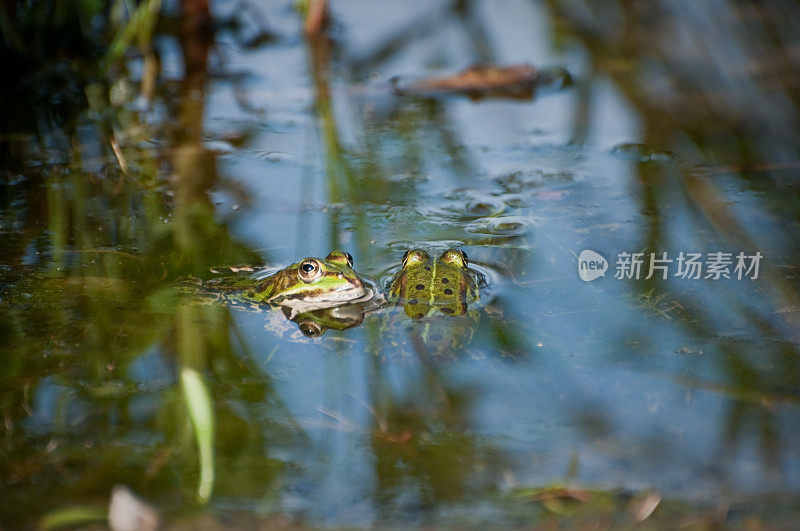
455, 257
310, 270
414, 256
311, 329
340, 257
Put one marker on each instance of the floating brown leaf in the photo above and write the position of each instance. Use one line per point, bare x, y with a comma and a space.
516, 81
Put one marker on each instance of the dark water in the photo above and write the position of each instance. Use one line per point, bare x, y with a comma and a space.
554, 401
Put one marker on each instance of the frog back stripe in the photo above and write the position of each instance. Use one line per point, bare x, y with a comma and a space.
432, 286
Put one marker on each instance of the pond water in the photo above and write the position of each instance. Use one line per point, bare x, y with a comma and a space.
667, 128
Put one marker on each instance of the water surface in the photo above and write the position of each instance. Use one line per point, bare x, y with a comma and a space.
554, 400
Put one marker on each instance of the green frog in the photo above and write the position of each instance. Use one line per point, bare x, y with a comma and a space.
313, 283
310, 284
424, 286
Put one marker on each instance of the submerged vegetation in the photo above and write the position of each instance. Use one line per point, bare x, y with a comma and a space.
147, 144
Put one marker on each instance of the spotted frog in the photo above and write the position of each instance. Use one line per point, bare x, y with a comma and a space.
425, 286
312, 284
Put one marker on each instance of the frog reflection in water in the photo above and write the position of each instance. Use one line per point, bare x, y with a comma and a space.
312, 284
424, 286
314, 323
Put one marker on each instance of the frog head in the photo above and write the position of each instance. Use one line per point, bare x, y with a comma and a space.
313, 283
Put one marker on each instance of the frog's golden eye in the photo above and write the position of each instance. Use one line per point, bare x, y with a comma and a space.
310, 270
340, 257
414, 256
456, 257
